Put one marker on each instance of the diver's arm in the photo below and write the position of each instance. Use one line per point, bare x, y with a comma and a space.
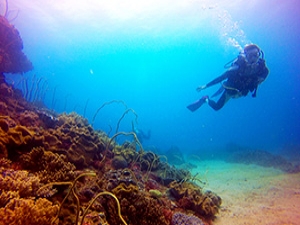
213, 82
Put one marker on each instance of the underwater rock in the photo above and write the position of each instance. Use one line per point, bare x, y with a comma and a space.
12, 59
263, 158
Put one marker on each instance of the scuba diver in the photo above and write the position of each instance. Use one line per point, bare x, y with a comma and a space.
243, 76
141, 134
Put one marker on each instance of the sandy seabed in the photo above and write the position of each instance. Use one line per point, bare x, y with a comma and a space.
252, 194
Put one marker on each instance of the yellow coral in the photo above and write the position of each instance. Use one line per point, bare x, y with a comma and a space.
28, 212
6, 196
26, 184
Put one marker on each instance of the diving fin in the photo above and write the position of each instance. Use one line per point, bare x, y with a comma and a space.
197, 104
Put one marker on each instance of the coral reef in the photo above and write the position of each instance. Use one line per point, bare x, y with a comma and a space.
42, 149
56, 169
48, 166
12, 59
18, 204
24, 183
184, 219
114, 178
190, 197
73, 135
28, 212
16, 139
135, 202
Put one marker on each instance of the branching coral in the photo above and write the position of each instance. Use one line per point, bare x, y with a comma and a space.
6, 196
5, 163
28, 212
24, 183
15, 206
48, 166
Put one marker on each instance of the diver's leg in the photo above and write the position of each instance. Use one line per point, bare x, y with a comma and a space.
220, 103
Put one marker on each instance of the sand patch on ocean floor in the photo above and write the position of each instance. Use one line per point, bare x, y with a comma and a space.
252, 194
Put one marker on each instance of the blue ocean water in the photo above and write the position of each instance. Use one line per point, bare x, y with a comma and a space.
153, 54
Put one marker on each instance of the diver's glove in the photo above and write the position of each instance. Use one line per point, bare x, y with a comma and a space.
200, 88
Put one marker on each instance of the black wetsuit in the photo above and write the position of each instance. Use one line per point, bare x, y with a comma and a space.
241, 78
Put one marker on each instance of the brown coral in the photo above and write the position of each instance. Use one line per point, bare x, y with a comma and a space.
24, 183
12, 59
135, 202
29, 119
48, 166
17, 139
12, 100
28, 212
6, 196
73, 133
114, 178
190, 197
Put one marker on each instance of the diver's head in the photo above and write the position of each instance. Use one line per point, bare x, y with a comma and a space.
252, 53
